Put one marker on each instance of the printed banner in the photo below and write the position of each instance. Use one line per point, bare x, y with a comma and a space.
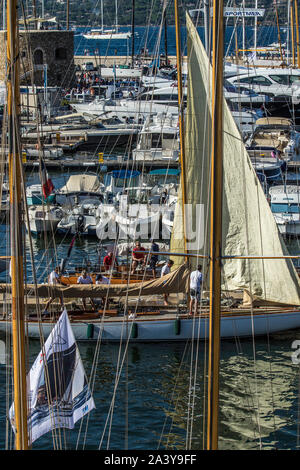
58, 393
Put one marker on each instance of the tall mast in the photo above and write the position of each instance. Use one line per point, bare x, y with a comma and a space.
132, 32
255, 28
116, 6
102, 15
34, 12
215, 226
244, 29
166, 34
293, 33
278, 30
17, 279
297, 33
181, 119
68, 15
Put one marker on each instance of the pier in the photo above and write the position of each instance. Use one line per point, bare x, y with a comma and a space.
111, 60
94, 164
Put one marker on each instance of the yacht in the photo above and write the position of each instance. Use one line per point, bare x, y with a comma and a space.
123, 109
277, 134
44, 218
78, 188
81, 219
34, 195
285, 205
158, 139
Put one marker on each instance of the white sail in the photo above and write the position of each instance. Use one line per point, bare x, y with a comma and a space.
249, 228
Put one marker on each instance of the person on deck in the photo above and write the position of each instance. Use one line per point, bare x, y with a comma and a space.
108, 261
154, 258
137, 258
85, 278
54, 279
196, 279
166, 269
100, 279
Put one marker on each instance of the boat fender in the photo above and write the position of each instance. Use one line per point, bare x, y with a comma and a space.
177, 325
134, 330
90, 331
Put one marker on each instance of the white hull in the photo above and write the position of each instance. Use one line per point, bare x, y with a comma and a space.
289, 229
44, 219
124, 109
108, 36
165, 329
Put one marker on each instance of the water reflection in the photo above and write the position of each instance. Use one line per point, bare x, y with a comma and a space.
160, 398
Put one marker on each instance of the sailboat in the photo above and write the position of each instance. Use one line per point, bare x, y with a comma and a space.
261, 289
108, 34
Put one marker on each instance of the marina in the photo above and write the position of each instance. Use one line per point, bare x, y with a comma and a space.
149, 227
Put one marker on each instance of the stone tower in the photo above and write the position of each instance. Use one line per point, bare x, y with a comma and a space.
40, 50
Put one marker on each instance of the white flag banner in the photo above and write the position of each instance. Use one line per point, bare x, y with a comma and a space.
58, 392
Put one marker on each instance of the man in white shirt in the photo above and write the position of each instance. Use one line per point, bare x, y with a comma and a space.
85, 278
195, 288
100, 279
166, 269
54, 279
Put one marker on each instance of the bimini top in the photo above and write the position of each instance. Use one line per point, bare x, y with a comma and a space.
81, 183
165, 171
125, 174
274, 121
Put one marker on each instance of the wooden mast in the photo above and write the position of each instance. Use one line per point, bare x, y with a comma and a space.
215, 226
293, 33
17, 279
297, 33
181, 120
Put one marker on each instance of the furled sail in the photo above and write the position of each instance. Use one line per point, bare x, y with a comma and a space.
174, 282
249, 228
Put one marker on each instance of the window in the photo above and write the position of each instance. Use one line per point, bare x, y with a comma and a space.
38, 57
260, 80
281, 79
243, 80
156, 141
294, 78
60, 53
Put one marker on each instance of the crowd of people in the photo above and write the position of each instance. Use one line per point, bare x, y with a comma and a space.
88, 83
140, 258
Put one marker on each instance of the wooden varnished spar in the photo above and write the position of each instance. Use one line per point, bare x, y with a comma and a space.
17, 278
215, 226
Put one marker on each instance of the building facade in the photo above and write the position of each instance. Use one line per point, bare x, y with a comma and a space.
46, 56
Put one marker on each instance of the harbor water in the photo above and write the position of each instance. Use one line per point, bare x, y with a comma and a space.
161, 392
152, 39
159, 402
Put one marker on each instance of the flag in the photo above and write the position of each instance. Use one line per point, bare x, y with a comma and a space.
47, 185
65, 260
58, 394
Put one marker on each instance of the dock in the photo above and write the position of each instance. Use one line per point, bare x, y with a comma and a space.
110, 61
82, 162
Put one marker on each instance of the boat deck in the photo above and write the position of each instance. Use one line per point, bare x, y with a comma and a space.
135, 309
